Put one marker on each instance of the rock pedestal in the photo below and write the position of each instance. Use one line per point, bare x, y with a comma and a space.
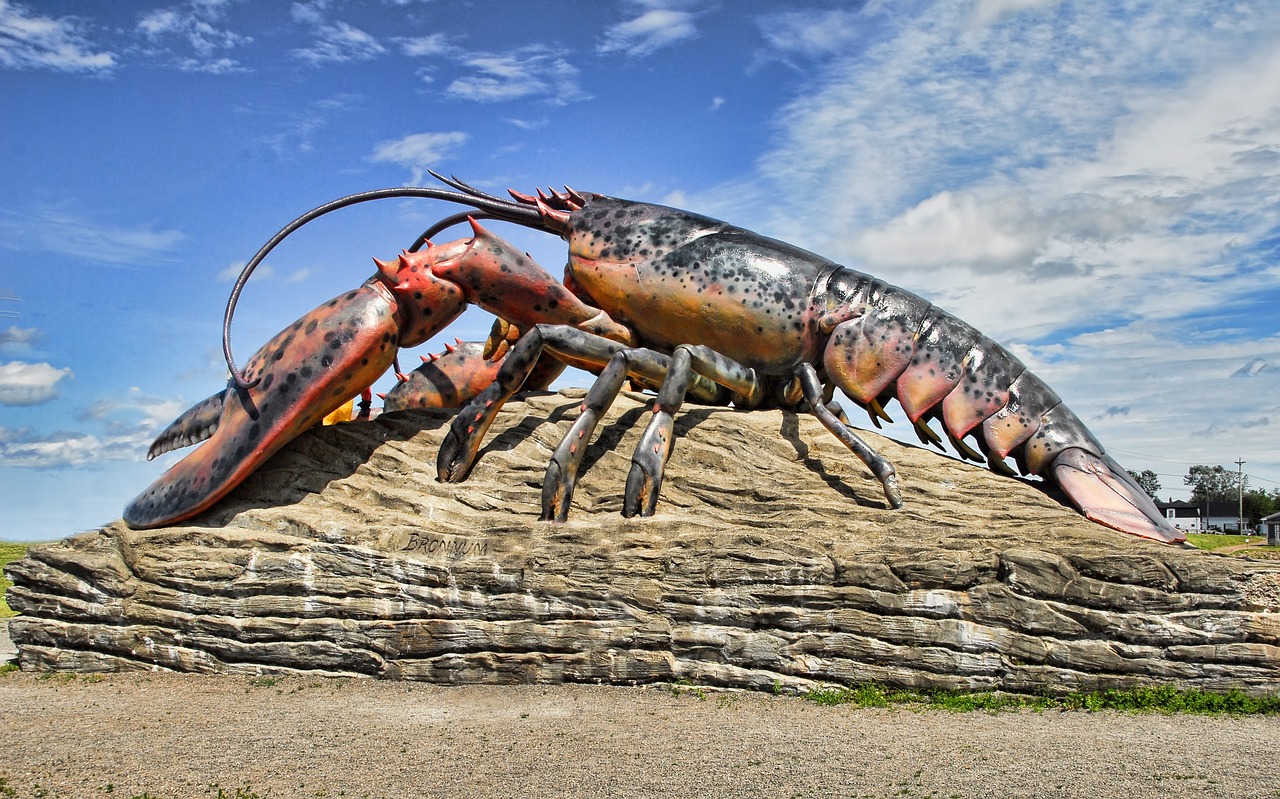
773, 561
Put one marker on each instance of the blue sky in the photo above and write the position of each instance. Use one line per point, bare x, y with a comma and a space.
1095, 184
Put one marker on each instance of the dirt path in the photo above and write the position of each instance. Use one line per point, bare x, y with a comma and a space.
175, 736
1234, 548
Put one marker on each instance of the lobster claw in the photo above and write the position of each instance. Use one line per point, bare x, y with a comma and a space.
451, 379
304, 373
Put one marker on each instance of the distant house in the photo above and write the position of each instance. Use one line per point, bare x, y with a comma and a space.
1270, 527
1221, 515
1182, 515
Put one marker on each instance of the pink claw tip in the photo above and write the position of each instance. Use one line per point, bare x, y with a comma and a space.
425, 359
382, 396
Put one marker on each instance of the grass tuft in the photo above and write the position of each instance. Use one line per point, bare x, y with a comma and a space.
1212, 541
1162, 699
8, 552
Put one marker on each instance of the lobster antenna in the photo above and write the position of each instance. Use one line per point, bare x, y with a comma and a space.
492, 207
466, 188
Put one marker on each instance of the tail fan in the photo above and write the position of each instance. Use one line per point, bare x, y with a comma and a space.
1107, 494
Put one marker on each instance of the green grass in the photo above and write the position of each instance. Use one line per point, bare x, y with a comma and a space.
1137, 700
8, 552
1214, 541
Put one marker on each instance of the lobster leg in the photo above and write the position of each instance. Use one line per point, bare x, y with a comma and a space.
574, 347
879, 466
562, 470
648, 463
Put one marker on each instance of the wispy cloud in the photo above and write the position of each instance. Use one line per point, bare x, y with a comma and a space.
418, 152
125, 428
300, 126
54, 230
31, 41
430, 45
986, 12
536, 71
809, 34
263, 271
332, 41
30, 383
15, 340
194, 24
656, 27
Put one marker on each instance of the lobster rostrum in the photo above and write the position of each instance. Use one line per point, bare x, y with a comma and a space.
687, 305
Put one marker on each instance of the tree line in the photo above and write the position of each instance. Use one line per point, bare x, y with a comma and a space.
1219, 484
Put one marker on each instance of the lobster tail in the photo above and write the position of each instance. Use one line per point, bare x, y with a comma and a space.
891, 343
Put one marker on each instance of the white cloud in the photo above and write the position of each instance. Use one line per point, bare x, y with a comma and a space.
29, 41
300, 125
330, 41
14, 337
651, 31
29, 383
535, 71
21, 449
988, 11
126, 428
431, 45
955, 229
419, 152
809, 33
195, 24
263, 271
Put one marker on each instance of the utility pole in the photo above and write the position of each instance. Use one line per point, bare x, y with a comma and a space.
1240, 495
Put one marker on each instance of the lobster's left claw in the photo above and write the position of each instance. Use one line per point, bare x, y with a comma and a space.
304, 373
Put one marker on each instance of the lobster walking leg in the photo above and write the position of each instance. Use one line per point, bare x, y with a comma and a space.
879, 466
562, 470
574, 347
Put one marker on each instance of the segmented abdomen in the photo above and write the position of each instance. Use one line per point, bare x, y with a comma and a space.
893, 343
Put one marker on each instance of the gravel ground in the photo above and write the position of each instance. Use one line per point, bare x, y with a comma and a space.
167, 735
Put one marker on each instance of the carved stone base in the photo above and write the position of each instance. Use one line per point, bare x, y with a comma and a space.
773, 560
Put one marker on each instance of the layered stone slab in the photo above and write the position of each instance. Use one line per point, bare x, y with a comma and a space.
773, 561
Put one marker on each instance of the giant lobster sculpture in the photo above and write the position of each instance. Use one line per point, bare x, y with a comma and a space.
680, 303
